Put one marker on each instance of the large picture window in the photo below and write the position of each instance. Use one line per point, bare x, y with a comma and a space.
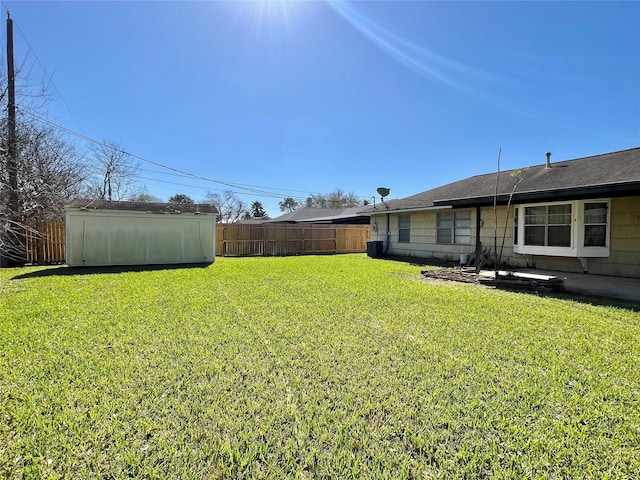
548, 225
404, 228
579, 228
454, 227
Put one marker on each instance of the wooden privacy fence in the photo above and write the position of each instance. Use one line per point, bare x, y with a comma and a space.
241, 240
45, 242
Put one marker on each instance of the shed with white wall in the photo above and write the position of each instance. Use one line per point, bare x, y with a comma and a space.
101, 233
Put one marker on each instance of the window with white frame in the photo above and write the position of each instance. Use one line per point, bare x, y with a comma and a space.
404, 228
515, 226
577, 228
548, 225
595, 224
453, 228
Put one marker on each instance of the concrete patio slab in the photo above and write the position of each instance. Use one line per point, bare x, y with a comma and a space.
595, 285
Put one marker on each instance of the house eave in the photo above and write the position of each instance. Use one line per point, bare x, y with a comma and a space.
410, 210
577, 193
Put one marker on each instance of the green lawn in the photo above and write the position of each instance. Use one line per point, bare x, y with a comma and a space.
310, 367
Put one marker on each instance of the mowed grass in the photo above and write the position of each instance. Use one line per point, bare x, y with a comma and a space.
309, 367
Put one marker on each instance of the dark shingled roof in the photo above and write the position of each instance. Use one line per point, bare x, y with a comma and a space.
174, 208
320, 215
607, 175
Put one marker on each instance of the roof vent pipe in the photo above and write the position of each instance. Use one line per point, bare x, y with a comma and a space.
548, 160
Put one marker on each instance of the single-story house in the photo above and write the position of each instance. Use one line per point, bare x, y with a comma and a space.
350, 215
102, 232
580, 215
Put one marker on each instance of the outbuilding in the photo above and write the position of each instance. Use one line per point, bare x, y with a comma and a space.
102, 233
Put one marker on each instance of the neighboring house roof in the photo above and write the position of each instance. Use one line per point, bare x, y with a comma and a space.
253, 221
607, 175
323, 215
174, 208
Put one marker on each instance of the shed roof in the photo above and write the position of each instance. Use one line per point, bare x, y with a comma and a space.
609, 174
150, 207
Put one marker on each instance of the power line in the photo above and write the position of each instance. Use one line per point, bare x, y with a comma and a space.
48, 77
247, 185
259, 190
146, 160
167, 182
151, 181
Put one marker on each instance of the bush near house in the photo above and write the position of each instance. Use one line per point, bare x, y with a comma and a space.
309, 367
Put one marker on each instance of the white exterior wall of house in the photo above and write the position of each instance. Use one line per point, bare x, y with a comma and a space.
622, 257
422, 237
108, 237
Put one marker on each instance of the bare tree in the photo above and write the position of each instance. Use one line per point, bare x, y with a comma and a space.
336, 199
230, 207
318, 200
114, 173
50, 172
145, 197
518, 176
496, 265
39, 170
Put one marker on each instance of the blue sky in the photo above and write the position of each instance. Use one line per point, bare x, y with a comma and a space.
292, 98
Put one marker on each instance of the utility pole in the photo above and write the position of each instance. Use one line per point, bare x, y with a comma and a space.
12, 150
13, 203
